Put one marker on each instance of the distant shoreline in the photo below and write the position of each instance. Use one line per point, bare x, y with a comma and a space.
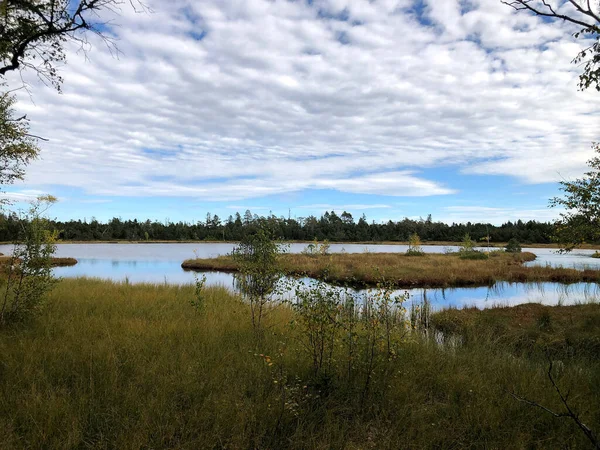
434, 243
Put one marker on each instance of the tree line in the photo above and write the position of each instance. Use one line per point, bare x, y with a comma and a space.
330, 226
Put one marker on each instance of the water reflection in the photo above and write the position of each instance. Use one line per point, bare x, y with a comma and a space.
500, 294
160, 263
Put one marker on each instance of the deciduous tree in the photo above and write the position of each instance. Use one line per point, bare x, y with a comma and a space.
17, 146
581, 221
33, 32
582, 13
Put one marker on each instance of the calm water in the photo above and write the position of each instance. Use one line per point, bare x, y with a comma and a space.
159, 263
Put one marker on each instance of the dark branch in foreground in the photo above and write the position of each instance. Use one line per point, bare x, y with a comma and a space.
569, 413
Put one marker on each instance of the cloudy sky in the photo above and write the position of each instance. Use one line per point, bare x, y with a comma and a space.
463, 109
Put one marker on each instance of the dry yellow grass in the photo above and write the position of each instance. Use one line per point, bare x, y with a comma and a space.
431, 270
55, 262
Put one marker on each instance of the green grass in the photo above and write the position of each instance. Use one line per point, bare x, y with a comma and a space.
124, 366
564, 331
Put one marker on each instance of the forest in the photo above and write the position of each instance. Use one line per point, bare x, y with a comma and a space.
330, 226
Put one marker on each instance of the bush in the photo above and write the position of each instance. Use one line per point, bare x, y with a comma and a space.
414, 246
468, 244
513, 246
257, 256
29, 270
474, 255
316, 249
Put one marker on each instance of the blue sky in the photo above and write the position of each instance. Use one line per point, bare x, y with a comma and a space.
465, 110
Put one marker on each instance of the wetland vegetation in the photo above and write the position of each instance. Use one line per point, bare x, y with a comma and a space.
137, 366
429, 270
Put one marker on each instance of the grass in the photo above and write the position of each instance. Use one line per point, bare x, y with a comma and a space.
431, 270
109, 365
55, 262
565, 331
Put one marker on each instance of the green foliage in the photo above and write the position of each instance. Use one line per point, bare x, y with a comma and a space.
322, 228
346, 336
467, 245
582, 14
257, 259
513, 246
117, 366
414, 246
17, 148
467, 249
474, 255
589, 58
29, 272
581, 221
198, 300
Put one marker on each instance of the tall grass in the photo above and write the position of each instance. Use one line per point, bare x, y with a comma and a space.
111, 365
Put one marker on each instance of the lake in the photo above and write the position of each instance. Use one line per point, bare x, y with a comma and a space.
161, 263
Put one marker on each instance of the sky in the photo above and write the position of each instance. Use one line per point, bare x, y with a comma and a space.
462, 109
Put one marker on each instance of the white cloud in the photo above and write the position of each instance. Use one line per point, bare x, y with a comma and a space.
496, 216
22, 196
329, 207
278, 98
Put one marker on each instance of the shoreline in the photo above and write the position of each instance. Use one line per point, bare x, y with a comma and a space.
495, 245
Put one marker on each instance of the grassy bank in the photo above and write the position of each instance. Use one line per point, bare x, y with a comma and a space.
54, 261
135, 366
431, 270
565, 331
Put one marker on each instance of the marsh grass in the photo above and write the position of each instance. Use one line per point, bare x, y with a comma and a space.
115, 365
54, 261
565, 331
431, 270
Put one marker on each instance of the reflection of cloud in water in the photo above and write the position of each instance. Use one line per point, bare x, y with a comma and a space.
160, 263
508, 294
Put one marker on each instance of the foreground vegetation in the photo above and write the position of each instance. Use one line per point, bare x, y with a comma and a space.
136, 366
429, 270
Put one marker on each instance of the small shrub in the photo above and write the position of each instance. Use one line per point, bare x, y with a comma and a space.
29, 271
316, 249
257, 256
468, 244
198, 301
513, 246
474, 255
414, 246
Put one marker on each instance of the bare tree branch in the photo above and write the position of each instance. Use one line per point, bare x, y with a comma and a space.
570, 414
34, 31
